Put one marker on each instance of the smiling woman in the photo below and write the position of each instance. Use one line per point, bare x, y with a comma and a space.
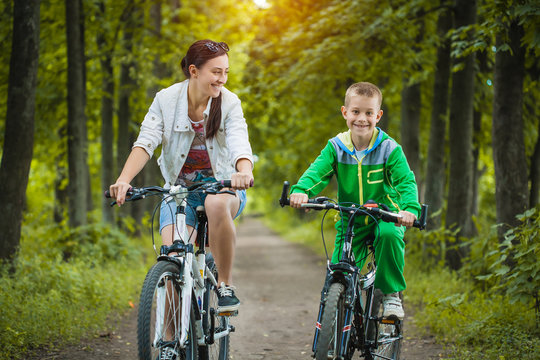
201, 128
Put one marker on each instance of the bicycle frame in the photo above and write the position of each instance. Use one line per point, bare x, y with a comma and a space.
193, 269
349, 275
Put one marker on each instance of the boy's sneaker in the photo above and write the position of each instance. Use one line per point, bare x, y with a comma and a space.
392, 306
227, 301
167, 353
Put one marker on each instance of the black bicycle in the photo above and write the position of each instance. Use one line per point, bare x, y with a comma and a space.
177, 316
351, 309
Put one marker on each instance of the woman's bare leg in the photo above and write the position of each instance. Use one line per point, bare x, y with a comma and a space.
220, 210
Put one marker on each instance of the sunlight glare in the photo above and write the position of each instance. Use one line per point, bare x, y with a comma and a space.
263, 4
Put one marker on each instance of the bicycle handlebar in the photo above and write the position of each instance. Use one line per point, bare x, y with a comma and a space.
321, 203
140, 193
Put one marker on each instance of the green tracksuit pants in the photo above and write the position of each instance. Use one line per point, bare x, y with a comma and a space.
389, 253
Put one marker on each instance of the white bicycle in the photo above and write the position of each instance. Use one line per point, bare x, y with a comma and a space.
177, 316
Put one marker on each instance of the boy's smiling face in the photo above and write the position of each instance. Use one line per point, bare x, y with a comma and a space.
362, 114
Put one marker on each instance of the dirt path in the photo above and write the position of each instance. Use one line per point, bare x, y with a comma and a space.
279, 285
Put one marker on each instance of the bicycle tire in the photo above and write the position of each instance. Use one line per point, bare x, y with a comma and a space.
389, 335
328, 344
161, 283
219, 350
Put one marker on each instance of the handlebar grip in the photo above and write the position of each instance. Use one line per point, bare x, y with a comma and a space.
422, 221
226, 183
107, 193
283, 199
389, 216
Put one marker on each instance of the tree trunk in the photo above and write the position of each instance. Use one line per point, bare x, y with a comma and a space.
535, 172
19, 130
107, 112
77, 142
511, 178
461, 137
152, 173
476, 173
436, 164
411, 103
126, 134
484, 68
60, 189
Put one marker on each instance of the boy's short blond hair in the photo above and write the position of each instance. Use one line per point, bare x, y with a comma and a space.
364, 89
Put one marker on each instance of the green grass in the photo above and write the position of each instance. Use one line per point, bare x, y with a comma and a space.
49, 301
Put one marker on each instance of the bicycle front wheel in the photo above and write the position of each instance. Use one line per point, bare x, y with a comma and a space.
389, 331
219, 349
328, 345
159, 319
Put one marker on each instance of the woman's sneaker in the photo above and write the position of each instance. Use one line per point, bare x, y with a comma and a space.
392, 306
227, 301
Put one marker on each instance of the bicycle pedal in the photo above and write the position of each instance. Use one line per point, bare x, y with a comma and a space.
391, 320
228, 313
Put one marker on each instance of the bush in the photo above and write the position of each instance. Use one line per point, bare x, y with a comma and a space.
47, 301
516, 272
487, 309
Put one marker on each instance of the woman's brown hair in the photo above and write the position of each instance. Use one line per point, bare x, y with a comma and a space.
198, 54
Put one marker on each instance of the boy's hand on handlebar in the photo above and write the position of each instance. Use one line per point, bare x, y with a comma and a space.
407, 219
297, 199
118, 191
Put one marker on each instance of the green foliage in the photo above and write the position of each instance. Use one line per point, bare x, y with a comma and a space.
475, 324
487, 309
304, 57
516, 271
48, 301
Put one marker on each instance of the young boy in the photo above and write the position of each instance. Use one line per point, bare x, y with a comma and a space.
369, 165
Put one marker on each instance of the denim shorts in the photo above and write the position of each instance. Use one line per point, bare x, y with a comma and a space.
168, 209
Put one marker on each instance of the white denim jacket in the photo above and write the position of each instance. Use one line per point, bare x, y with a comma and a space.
167, 123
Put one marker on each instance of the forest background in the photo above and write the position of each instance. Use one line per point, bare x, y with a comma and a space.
460, 84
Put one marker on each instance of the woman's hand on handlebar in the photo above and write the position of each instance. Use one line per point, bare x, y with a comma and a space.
242, 180
118, 191
407, 219
297, 199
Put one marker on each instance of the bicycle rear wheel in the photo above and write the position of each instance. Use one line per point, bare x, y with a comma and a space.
389, 331
328, 344
159, 317
219, 350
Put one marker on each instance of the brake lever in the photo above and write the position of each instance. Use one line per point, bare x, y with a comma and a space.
226, 192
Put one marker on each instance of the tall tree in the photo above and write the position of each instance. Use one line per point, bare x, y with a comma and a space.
461, 137
127, 132
107, 114
19, 131
151, 172
411, 106
436, 164
76, 98
411, 103
511, 175
535, 172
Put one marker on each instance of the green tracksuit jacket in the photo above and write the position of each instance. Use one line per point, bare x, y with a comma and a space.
381, 173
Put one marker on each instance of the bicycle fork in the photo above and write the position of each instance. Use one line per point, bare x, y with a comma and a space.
343, 335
